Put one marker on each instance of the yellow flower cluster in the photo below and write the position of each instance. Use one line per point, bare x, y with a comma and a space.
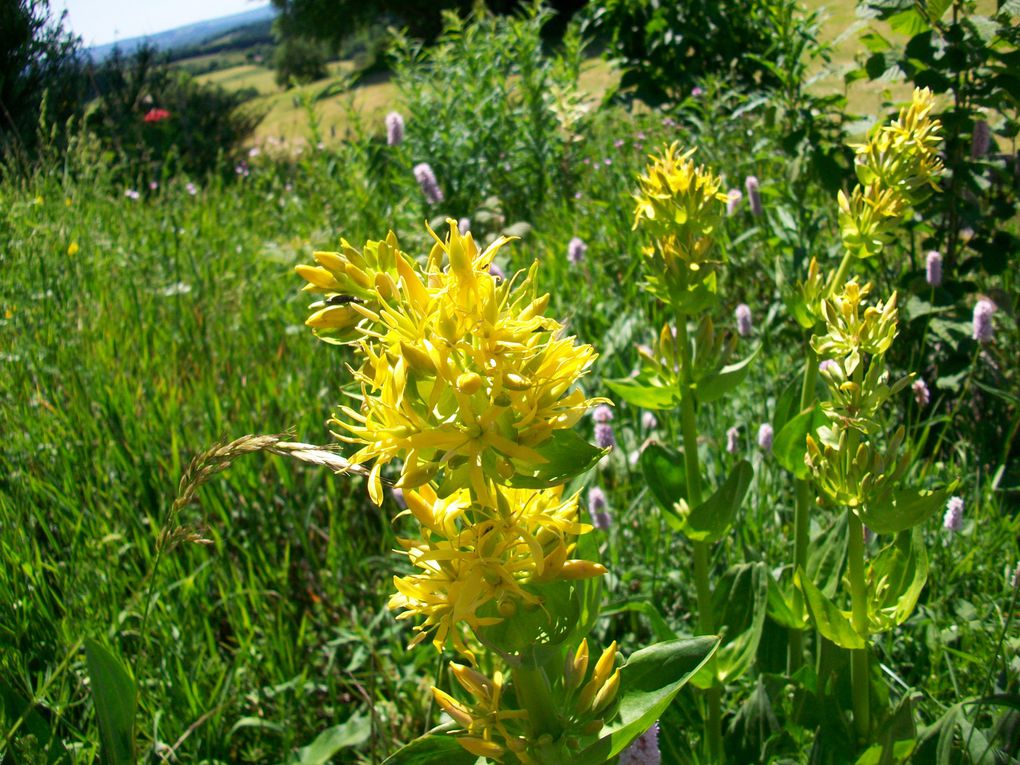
462, 380
897, 169
495, 731
681, 206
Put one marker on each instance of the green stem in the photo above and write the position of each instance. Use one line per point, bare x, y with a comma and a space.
859, 617
801, 522
706, 617
535, 694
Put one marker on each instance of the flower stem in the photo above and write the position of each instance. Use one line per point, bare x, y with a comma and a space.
535, 695
706, 617
801, 522
859, 617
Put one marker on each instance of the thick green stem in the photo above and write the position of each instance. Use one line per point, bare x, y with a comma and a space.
706, 617
535, 695
859, 618
801, 520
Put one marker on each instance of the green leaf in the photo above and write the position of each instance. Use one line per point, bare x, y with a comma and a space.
782, 608
717, 385
643, 394
908, 22
904, 509
660, 628
114, 696
825, 559
13, 707
936, 9
566, 455
354, 732
790, 443
663, 469
739, 602
435, 746
829, 620
902, 567
710, 521
649, 681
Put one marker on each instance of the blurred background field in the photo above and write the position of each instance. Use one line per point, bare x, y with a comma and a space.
149, 309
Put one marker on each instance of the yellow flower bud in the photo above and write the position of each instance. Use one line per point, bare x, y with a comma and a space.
469, 383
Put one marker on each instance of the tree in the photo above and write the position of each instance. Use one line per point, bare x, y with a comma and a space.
40, 64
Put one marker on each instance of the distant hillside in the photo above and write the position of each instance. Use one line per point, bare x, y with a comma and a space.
193, 36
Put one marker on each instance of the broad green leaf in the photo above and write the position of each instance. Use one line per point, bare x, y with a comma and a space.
660, 628
643, 394
435, 746
649, 681
897, 737
826, 556
710, 521
782, 608
787, 405
790, 443
937, 9
715, 386
828, 619
663, 469
739, 602
566, 455
354, 732
114, 696
908, 22
904, 509
902, 568
13, 707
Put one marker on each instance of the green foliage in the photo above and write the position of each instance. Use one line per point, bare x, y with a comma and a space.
41, 77
299, 60
666, 48
159, 122
490, 111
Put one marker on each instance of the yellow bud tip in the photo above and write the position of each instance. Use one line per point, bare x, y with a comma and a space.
469, 383
582, 569
452, 707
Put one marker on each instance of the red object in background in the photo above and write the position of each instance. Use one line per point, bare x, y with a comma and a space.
156, 115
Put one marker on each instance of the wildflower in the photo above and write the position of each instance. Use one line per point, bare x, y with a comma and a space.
618, 143
394, 129
696, 91
980, 140
38, 200
577, 195
598, 509
743, 314
132, 194
576, 250
953, 519
607, 161
765, 435
753, 195
644, 750
602, 413
983, 329
72, 249
668, 122
733, 440
496, 271
156, 115
921, 393
153, 185
604, 435
464, 225
933, 268
241, 169
733, 197
67, 202
648, 421
828, 365
253, 152
427, 181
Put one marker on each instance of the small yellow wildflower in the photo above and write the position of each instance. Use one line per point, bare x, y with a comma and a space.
72, 249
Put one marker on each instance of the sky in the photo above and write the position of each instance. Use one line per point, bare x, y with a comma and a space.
105, 21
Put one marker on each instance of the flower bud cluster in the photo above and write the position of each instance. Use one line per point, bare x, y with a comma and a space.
492, 728
897, 169
847, 466
681, 206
